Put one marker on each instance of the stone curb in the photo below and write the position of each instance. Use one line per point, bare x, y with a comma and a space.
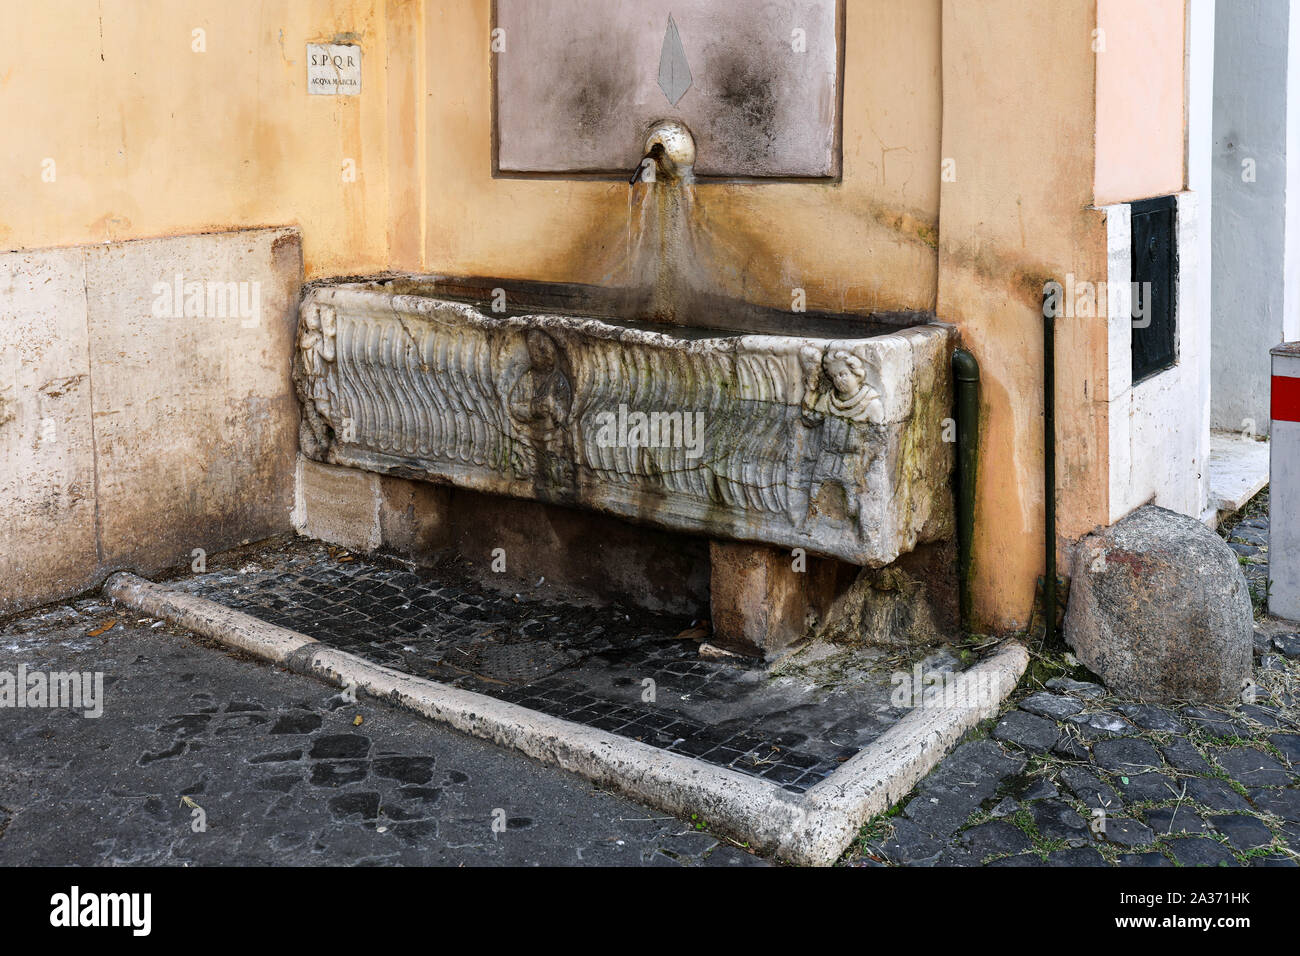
810, 829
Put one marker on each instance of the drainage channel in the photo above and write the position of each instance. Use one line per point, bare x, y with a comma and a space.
615, 669
621, 699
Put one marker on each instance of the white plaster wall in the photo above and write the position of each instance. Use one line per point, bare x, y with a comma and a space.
1252, 121
1200, 181
1291, 249
1158, 429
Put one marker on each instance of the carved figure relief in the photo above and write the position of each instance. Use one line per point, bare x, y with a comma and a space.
539, 401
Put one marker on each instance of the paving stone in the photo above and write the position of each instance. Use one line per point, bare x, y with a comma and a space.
413, 770
1071, 748
1263, 642
1024, 859
1036, 734
1284, 804
689, 843
1243, 832
1150, 786
1126, 756
297, 724
1057, 820
337, 746
338, 773
1251, 767
363, 806
1183, 755
1289, 745
1201, 851
726, 855
1089, 789
977, 766
1078, 688
941, 812
957, 856
1275, 859
995, 838
1004, 808
1288, 645
909, 845
1216, 723
1081, 856
1153, 718
1125, 831
1143, 860
1039, 789
1259, 714
1250, 535
1166, 821
1055, 706
1214, 794
280, 756
1100, 724
1273, 662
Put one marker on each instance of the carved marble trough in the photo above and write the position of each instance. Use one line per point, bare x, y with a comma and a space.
817, 432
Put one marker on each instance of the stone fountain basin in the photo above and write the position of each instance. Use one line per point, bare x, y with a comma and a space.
809, 431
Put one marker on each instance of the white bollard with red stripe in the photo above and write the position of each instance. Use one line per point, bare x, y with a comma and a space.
1284, 485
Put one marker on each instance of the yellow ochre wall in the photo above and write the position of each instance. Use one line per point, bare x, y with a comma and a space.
150, 138
153, 139
866, 243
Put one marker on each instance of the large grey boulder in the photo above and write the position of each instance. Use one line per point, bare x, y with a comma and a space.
1159, 609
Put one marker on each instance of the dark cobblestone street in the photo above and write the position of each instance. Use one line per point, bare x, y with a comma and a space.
1071, 776
285, 769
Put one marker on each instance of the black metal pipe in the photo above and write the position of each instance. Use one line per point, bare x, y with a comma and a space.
1049, 468
966, 376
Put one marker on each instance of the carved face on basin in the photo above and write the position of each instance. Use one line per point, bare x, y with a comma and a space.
541, 351
846, 372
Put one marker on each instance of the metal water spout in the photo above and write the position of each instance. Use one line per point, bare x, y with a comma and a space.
669, 154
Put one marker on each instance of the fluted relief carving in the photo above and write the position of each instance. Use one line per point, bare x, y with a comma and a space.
835, 446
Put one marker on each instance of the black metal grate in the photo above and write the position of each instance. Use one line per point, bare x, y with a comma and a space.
1155, 284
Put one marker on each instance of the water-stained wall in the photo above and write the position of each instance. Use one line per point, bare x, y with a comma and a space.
866, 242
978, 140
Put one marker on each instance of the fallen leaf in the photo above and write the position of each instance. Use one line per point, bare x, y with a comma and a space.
357, 722
693, 634
102, 629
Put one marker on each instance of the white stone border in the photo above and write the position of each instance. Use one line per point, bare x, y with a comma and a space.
813, 828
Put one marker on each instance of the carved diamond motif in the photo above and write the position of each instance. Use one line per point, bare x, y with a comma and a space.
674, 71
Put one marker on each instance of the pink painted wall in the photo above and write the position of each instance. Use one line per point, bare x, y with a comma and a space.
1140, 83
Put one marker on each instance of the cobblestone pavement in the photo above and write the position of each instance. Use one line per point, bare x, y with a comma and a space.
285, 770
624, 671
1070, 776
